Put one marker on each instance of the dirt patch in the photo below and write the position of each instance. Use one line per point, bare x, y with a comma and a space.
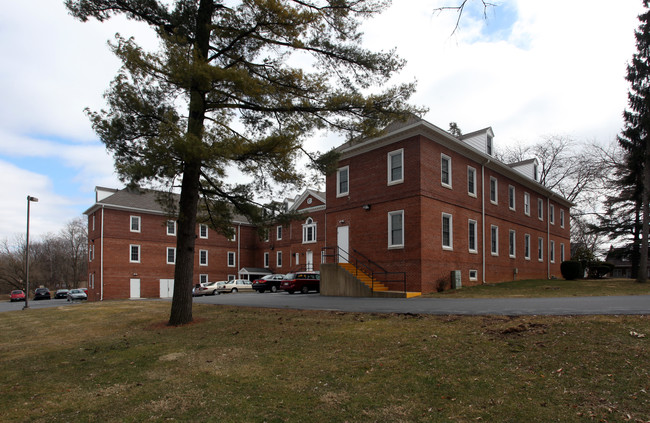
164, 325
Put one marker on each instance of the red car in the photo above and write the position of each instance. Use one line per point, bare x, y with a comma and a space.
17, 295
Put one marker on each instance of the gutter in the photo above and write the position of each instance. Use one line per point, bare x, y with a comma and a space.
483, 217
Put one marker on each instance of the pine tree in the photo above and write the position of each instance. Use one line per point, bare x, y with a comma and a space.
635, 138
225, 90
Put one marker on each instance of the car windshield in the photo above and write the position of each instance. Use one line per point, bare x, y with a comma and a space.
16, 292
290, 276
75, 291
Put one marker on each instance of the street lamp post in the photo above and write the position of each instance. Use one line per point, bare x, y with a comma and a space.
29, 200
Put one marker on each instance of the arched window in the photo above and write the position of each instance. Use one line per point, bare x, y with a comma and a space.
309, 231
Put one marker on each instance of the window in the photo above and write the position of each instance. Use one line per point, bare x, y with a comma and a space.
445, 170
494, 241
93, 222
489, 144
473, 275
135, 254
527, 247
535, 170
278, 233
561, 252
562, 219
135, 223
171, 227
471, 181
526, 204
309, 231
396, 167
447, 232
342, 181
551, 214
512, 243
231, 277
552, 251
231, 259
203, 231
472, 231
203, 278
494, 195
511, 197
278, 259
266, 259
540, 209
203, 257
540, 249
396, 229
234, 235
171, 255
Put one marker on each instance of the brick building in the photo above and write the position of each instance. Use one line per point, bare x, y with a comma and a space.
415, 201
421, 201
132, 245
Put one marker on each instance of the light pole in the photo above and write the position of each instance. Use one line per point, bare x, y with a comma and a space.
29, 200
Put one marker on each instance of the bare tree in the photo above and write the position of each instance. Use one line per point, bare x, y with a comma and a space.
75, 246
12, 263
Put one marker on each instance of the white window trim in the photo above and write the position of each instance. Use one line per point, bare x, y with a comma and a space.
203, 278
278, 232
278, 259
309, 223
469, 232
390, 173
494, 236
526, 204
512, 199
167, 256
139, 220
527, 246
173, 231
496, 190
234, 259
444, 157
267, 260
206, 257
475, 277
131, 246
340, 193
233, 238
552, 251
562, 219
473, 170
390, 229
512, 243
540, 209
449, 247
201, 226
540, 249
551, 213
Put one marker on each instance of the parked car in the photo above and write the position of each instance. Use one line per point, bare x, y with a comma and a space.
301, 281
17, 295
236, 285
267, 283
210, 288
42, 294
61, 293
77, 294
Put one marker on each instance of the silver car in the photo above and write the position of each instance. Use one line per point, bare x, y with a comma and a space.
77, 294
236, 285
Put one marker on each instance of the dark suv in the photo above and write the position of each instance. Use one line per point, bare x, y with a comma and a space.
42, 294
301, 281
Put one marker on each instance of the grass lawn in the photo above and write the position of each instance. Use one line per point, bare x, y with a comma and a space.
117, 361
549, 288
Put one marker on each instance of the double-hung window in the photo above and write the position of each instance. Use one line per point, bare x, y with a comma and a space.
203, 231
472, 232
540, 249
396, 167
527, 247
552, 251
551, 214
526, 204
562, 219
278, 233
171, 227
471, 181
494, 190
445, 170
135, 254
494, 241
512, 247
231, 259
135, 223
266, 259
396, 229
278, 259
203, 257
343, 181
540, 209
171, 255
309, 231
447, 232
511, 197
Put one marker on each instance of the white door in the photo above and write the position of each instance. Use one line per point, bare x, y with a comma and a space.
309, 260
343, 242
166, 288
135, 288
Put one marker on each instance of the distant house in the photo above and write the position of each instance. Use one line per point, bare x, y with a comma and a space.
420, 201
132, 245
621, 259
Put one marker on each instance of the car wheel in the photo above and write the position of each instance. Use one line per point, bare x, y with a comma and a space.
214, 292
234, 290
274, 288
304, 290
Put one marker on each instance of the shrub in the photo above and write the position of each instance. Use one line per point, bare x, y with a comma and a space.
441, 283
571, 270
599, 269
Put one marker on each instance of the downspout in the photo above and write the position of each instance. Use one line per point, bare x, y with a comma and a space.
483, 217
548, 238
239, 251
101, 260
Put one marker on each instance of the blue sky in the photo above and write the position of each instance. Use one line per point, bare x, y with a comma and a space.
533, 68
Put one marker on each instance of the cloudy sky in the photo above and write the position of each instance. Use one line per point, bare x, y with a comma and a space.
532, 68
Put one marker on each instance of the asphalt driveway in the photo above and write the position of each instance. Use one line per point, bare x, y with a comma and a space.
639, 304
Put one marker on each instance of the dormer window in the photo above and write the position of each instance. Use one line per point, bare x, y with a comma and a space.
535, 170
489, 144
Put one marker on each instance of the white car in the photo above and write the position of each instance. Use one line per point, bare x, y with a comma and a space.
236, 285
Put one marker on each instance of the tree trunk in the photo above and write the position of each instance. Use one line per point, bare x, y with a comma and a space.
642, 276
